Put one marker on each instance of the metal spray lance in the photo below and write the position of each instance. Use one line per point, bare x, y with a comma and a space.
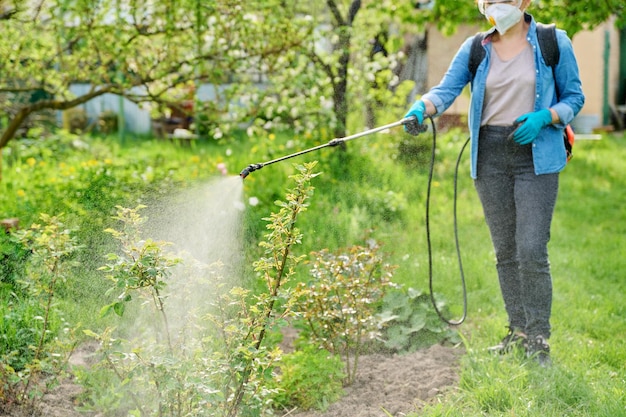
411, 124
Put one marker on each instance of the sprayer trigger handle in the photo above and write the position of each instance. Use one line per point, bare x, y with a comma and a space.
413, 127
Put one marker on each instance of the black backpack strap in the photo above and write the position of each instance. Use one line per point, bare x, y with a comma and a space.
477, 53
546, 35
549, 45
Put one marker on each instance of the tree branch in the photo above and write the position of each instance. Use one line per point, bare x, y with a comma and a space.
25, 111
354, 9
332, 5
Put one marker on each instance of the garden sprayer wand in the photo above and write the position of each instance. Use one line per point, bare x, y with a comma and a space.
411, 123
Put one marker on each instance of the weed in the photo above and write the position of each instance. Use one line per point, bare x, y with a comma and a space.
309, 378
34, 319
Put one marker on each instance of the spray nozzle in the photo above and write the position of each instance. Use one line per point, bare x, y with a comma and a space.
250, 168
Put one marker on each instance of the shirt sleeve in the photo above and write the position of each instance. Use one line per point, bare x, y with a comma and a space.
567, 78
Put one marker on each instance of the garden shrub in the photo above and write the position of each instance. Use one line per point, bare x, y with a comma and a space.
226, 369
338, 306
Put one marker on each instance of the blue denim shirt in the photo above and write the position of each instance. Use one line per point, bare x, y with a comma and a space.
548, 148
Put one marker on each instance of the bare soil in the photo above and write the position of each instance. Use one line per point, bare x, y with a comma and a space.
395, 385
60, 402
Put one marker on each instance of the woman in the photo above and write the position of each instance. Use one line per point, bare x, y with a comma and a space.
516, 122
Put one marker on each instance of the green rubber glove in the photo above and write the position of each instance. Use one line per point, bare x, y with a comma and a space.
531, 125
417, 109
416, 126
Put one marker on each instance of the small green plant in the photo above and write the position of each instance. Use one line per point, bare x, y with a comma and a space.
142, 267
311, 378
33, 317
157, 369
410, 323
339, 304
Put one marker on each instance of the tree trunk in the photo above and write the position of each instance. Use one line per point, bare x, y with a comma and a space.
340, 101
340, 87
378, 47
27, 110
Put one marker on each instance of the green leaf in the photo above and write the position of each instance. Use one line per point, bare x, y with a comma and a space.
105, 310
119, 308
386, 317
413, 293
417, 322
91, 333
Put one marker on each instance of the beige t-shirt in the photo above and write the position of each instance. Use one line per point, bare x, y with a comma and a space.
510, 88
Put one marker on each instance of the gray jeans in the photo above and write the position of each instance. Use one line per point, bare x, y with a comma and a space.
518, 207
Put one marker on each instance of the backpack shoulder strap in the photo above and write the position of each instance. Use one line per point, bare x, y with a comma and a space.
477, 53
546, 35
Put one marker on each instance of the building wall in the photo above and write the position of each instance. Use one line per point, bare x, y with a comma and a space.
137, 119
589, 47
441, 50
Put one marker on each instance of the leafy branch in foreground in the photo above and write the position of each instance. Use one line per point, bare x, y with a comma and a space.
275, 268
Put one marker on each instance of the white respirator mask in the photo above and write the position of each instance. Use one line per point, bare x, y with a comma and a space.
502, 16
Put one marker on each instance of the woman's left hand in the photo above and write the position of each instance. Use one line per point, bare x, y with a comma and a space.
532, 123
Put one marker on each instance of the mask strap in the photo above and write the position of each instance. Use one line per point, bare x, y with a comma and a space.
483, 9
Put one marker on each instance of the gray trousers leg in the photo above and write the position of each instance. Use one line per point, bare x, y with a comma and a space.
518, 207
